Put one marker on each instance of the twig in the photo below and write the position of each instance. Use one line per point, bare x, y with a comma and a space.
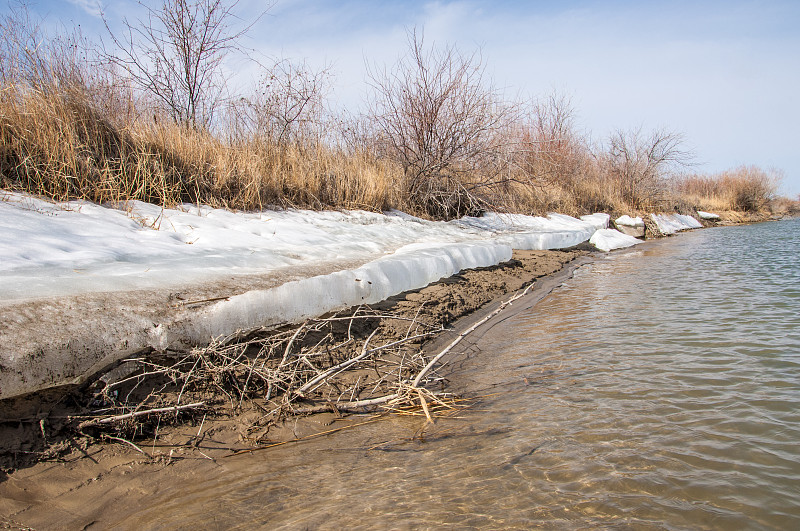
337, 368
120, 439
289, 346
374, 316
109, 420
111, 385
463, 334
349, 406
408, 332
424, 405
201, 301
312, 436
188, 377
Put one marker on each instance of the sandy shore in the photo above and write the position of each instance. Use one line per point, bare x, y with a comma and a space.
55, 477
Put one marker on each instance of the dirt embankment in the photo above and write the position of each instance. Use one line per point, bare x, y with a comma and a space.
68, 452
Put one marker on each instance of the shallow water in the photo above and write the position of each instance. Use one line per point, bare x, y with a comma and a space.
658, 389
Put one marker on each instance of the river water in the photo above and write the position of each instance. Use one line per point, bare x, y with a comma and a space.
659, 388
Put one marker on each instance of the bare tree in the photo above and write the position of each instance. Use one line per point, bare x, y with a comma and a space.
289, 105
437, 115
638, 163
547, 148
175, 53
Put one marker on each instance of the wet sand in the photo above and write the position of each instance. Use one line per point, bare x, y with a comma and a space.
89, 484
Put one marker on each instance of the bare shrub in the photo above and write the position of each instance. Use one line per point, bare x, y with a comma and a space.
175, 54
29, 58
289, 105
439, 118
639, 163
784, 206
552, 150
551, 163
754, 187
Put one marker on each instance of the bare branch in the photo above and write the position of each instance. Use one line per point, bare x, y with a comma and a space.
175, 54
437, 115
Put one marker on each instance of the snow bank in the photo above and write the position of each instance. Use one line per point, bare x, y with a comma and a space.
628, 221
409, 268
609, 239
78, 247
556, 231
707, 215
672, 223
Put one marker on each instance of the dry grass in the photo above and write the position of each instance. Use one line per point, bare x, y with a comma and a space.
72, 129
60, 145
746, 189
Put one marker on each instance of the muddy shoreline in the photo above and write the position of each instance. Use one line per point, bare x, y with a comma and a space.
54, 474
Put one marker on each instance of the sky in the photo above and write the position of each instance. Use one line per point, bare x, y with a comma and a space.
725, 74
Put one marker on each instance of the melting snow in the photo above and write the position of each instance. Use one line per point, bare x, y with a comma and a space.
628, 221
608, 239
78, 247
672, 223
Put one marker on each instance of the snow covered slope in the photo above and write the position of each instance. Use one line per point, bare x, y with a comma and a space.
82, 285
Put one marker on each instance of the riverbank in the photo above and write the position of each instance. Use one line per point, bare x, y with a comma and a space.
83, 286
56, 452
51, 462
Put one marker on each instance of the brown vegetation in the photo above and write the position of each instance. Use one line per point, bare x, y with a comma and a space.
746, 189
438, 141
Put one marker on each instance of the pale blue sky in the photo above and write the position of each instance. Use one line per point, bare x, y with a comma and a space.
725, 74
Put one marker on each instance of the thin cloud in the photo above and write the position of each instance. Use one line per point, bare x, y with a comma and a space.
92, 7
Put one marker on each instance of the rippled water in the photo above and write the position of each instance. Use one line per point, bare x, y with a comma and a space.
659, 388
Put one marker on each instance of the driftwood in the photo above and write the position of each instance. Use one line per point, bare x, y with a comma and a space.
464, 334
359, 405
271, 371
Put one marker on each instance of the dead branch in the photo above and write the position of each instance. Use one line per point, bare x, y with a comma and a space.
338, 368
354, 406
464, 334
117, 418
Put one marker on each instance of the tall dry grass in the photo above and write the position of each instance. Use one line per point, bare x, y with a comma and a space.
746, 189
70, 127
59, 144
